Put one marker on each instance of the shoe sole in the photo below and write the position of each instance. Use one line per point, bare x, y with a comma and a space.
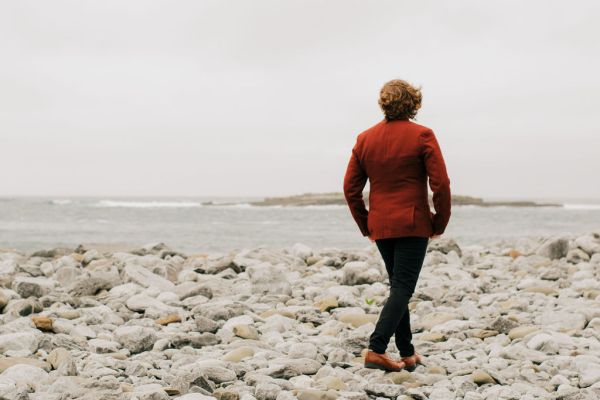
378, 366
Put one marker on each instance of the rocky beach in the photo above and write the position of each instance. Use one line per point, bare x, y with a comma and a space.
512, 319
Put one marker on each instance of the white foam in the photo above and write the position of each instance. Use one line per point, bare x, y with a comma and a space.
61, 202
147, 204
575, 206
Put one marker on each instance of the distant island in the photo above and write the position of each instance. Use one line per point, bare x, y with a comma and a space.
337, 198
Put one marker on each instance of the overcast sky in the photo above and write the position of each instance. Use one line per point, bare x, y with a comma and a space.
260, 98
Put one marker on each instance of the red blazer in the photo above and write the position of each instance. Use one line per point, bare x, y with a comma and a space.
397, 157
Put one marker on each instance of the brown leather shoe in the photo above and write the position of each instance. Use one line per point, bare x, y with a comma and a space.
382, 361
411, 362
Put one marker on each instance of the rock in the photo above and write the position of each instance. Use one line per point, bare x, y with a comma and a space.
145, 278
384, 390
543, 342
269, 279
576, 256
444, 245
589, 243
522, 331
480, 377
436, 318
554, 248
6, 362
503, 325
23, 343
102, 346
196, 396
43, 323
204, 324
150, 391
267, 391
238, 354
357, 319
29, 286
168, 319
359, 273
432, 337
326, 303
87, 285
245, 331
550, 291
302, 251
143, 302
561, 320
135, 338
25, 375
61, 360
303, 350
315, 394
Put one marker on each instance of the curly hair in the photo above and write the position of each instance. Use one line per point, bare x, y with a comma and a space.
398, 99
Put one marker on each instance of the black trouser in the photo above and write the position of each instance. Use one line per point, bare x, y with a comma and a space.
403, 258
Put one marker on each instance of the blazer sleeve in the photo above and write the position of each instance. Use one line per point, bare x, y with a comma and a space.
438, 180
354, 183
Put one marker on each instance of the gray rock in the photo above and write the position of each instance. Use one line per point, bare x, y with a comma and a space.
503, 325
554, 248
36, 287
444, 245
135, 338
359, 273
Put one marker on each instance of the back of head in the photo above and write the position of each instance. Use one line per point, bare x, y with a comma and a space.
398, 99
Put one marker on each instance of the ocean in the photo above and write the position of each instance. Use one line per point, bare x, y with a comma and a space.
184, 224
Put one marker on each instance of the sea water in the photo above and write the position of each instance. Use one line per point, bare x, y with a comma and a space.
185, 224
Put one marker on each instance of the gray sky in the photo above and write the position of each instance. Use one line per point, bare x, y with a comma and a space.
267, 97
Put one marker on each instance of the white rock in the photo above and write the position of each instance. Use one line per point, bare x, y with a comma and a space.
301, 250
146, 278
25, 375
24, 342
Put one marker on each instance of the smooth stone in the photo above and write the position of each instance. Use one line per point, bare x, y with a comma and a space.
168, 319
432, 337
562, 320
43, 323
238, 354
326, 303
195, 396
357, 319
522, 331
480, 377
24, 342
246, 332
435, 318
25, 375
6, 362
547, 290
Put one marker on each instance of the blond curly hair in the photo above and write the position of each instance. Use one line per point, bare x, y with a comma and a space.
398, 99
